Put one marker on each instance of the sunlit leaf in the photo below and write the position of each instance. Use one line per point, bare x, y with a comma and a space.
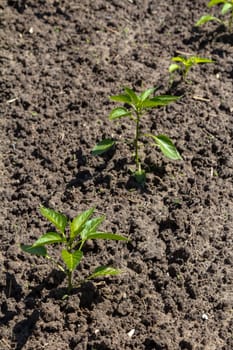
215, 2
71, 259
173, 67
145, 94
77, 223
226, 8
91, 226
132, 95
206, 18
119, 112
41, 251
200, 60
159, 101
57, 219
49, 238
102, 147
104, 271
121, 98
179, 59
167, 147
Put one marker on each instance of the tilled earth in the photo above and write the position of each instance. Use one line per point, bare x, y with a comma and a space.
60, 60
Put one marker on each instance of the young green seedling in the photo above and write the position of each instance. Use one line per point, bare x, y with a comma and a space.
134, 107
81, 228
227, 7
183, 64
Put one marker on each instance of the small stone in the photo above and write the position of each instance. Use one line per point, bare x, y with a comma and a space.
131, 333
204, 317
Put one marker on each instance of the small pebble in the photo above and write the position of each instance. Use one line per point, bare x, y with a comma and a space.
204, 317
131, 333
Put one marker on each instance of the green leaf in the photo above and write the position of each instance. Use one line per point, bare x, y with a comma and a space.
71, 259
121, 98
106, 235
57, 219
145, 94
104, 271
215, 2
197, 60
179, 59
119, 112
159, 101
49, 238
206, 18
102, 147
133, 97
41, 251
173, 67
167, 147
91, 227
226, 8
78, 222
140, 176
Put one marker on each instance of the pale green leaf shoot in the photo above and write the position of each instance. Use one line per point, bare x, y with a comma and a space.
71, 260
104, 271
78, 222
49, 238
57, 219
102, 147
119, 112
167, 147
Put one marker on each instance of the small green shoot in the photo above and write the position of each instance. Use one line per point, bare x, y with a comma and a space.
227, 7
183, 65
134, 107
81, 228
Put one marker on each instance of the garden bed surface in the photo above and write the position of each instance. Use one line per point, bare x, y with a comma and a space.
60, 61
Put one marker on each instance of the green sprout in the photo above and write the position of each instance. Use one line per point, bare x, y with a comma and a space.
135, 106
227, 6
183, 64
81, 228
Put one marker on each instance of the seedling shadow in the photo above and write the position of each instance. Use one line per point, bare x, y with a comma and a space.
50, 282
84, 175
12, 289
81, 178
23, 329
204, 37
8, 315
177, 86
19, 5
86, 291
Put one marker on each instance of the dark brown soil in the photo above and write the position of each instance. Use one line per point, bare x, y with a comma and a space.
60, 60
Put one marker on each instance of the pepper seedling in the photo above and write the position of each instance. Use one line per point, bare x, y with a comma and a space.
81, 228
227, 7
184, 65
134, 107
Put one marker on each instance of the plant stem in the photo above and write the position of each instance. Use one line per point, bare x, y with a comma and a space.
231, 21
70, 286
136, 141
